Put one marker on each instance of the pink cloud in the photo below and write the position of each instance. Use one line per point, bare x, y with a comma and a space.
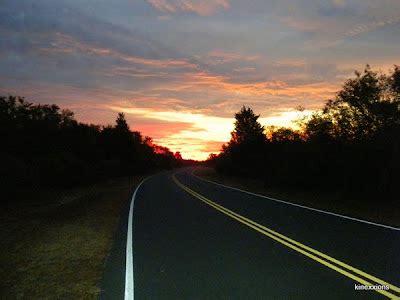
199, 7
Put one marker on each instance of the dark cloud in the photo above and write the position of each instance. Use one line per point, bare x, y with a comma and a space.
32, 19
56, 43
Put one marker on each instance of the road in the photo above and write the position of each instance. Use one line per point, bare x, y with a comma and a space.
192, 239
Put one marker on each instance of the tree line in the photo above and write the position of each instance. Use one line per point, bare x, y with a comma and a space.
351, 145
44, 146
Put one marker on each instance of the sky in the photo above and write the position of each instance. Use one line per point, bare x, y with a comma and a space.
180, 69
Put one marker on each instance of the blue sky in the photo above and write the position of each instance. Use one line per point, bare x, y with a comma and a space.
180, 69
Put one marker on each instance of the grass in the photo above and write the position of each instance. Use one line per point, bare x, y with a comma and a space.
371, 209
55, 246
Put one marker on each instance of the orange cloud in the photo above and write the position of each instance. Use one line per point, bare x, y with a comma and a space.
200, 79
177, 75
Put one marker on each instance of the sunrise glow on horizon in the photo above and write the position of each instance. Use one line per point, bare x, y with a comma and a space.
206, 134
180, 70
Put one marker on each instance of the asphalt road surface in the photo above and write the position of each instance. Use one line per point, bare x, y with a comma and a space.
187, 238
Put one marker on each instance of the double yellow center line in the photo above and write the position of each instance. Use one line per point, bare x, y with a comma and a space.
326, 260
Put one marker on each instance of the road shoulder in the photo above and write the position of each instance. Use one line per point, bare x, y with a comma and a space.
355, 207
56, 245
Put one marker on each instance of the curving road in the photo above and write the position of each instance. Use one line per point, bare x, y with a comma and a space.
188, 238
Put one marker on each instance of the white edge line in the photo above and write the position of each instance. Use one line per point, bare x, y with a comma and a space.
298, 205
129, 284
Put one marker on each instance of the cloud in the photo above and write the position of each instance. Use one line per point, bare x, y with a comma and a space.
28, 25
368, 27
199, 7
180, 74
330, 24
218, 56
56, 45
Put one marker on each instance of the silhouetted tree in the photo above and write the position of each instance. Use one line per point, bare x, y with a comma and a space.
45, 146
178, 155
282, 134
352, 144
122, 125
247, 128
245, 149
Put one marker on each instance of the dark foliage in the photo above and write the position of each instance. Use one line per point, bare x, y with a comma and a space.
352, 145
42, 145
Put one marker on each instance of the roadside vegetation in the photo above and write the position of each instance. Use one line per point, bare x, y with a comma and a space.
350, 149
63, 186
54, 245
44, 146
